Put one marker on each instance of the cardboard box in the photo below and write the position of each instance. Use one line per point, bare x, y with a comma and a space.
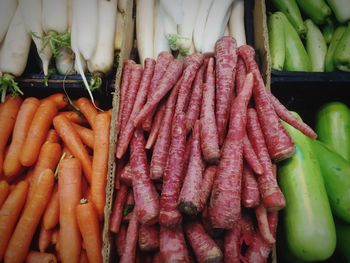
127, 43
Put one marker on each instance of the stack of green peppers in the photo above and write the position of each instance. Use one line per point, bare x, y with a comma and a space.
316, 184
316, 35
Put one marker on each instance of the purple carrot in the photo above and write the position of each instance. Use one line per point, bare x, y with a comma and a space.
209, 133
127, 130
145, 194
278, 141
226, 62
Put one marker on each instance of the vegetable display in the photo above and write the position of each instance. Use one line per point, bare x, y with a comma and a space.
313, 31
194, 169
52, 182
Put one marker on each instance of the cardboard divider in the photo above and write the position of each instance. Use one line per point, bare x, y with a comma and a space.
124, 54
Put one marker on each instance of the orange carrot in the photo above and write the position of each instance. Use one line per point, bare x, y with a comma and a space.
4, 191
83, 257
87, 193
60, 99
52, 211
49, 157
74, 116
37, 132
87, 218
44, 238
8, 114
69, 192
39, 257
52, 136
55, 236
100, 161
86, 135
74, 144
12, 165
21, 239
87, 109
9, 213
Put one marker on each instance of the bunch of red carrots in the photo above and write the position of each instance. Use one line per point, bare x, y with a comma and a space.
53, 170
197, 143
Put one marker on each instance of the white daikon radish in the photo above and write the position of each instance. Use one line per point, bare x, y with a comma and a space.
236, 22
119, 30
102, 61
32, 17
78, 62
227, 31
145, 28
7, 11
198, 31
14, 54
122, 5
174, 9
160, 39
87, 26
70, 14
55, 16
216, 23
65, 62
185, 28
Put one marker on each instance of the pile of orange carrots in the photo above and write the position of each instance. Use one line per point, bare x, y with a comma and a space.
53, 173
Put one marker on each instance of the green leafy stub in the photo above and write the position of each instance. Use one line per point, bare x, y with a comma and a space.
9, 85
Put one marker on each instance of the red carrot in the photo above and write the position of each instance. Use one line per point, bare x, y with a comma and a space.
172, 245
225, 203
87, 109
190, 198
209, 134
8, 114
207, 184
39, 257
45, 237
226, 62
120, 240
124, 87
87, 218
169, 213
145, 194
12, 165
22, 236
74, 144
69, 192
149, 238
163, 60
196, 60
129, 252
167, 82
259, 250
52, 211
250, 157
126, 175
10, 212
278, 141
127, 130
203, 246
100, 162
117, 212
194, 107
250, 192
5, 189
232, 244
241, 72
263, 224
156, 125
161, 148
271, 194
157, 258
135, 80
285, 115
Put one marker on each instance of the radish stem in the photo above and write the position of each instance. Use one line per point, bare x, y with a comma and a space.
7, 82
